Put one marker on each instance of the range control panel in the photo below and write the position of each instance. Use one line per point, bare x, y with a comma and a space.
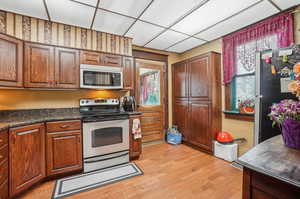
99, 101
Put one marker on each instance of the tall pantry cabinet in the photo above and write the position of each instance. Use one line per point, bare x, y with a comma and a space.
197, 99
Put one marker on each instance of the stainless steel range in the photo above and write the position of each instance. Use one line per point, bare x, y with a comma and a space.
105, 133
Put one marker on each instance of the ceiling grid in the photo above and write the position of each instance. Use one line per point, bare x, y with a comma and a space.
165, 25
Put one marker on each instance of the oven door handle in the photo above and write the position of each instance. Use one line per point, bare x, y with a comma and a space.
93, 161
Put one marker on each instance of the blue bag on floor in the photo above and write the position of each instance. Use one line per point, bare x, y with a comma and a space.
173, 136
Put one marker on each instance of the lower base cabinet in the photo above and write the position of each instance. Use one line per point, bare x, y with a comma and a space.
135, 148
260, 186
3, 164
64, 147
26, 157
64, 152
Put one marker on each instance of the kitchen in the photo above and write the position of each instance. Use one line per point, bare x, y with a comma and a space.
88, 94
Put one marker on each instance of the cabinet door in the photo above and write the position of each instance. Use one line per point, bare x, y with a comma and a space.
180, 111
180, 76
39, 66
199, 125
27, 157
128, 73
89, 57
11, 61
135, 148
199, 78
111, 60
64, 152
66, 68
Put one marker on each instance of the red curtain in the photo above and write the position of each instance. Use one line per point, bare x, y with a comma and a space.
282, 25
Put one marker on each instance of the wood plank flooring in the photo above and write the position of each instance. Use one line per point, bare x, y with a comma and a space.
170, 172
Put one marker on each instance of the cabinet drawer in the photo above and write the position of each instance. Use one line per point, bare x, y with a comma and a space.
3, 153
111, 60
3, 138
3, 172
63, 126
4, 190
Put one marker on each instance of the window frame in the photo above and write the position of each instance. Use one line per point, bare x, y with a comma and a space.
231, 111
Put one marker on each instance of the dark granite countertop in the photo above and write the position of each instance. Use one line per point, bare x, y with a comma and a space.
15, 118
274, 159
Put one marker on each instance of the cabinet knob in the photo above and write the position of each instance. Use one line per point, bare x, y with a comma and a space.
1, 156
1, 140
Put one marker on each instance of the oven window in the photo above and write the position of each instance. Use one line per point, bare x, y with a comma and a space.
93, 78
107, 136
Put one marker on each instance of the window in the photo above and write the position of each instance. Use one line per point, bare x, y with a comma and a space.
243, 84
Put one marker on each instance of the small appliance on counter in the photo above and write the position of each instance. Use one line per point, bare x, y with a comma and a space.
128, 103
105, 134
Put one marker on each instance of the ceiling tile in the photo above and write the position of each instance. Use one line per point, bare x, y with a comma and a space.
211, 13
260, 11
166, 39
285, 4
127, 7
165, 13
33, 8
142, 32
111, 23
69, 12
89, 2
186, 45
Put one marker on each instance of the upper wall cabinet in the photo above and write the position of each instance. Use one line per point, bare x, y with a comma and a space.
180, 78
128, 73
97, 58
50, 67
11, 61
66, 68
39, 65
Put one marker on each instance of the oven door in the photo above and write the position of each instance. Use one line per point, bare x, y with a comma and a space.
101, 77
100, 138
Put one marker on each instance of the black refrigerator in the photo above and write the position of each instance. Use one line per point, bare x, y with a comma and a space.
272, 78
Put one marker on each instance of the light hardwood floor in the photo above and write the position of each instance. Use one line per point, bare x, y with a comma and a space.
176, 172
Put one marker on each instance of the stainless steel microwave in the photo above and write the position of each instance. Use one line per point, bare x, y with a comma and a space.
100, 77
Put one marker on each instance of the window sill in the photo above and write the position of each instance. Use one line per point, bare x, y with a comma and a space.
235, 115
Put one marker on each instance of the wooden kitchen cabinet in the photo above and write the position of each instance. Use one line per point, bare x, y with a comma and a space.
27, 157
51, 67
90, 57
11, 62
64, 147
180, 111
66, 73
135, 148
199, 124
180, 80
39, 66
100, 59
111, 60
128, 73
4, 164
197, 99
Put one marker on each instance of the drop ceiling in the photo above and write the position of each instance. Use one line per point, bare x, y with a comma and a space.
172, 25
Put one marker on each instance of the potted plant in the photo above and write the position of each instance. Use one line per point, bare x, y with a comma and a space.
286, 115
246, 106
